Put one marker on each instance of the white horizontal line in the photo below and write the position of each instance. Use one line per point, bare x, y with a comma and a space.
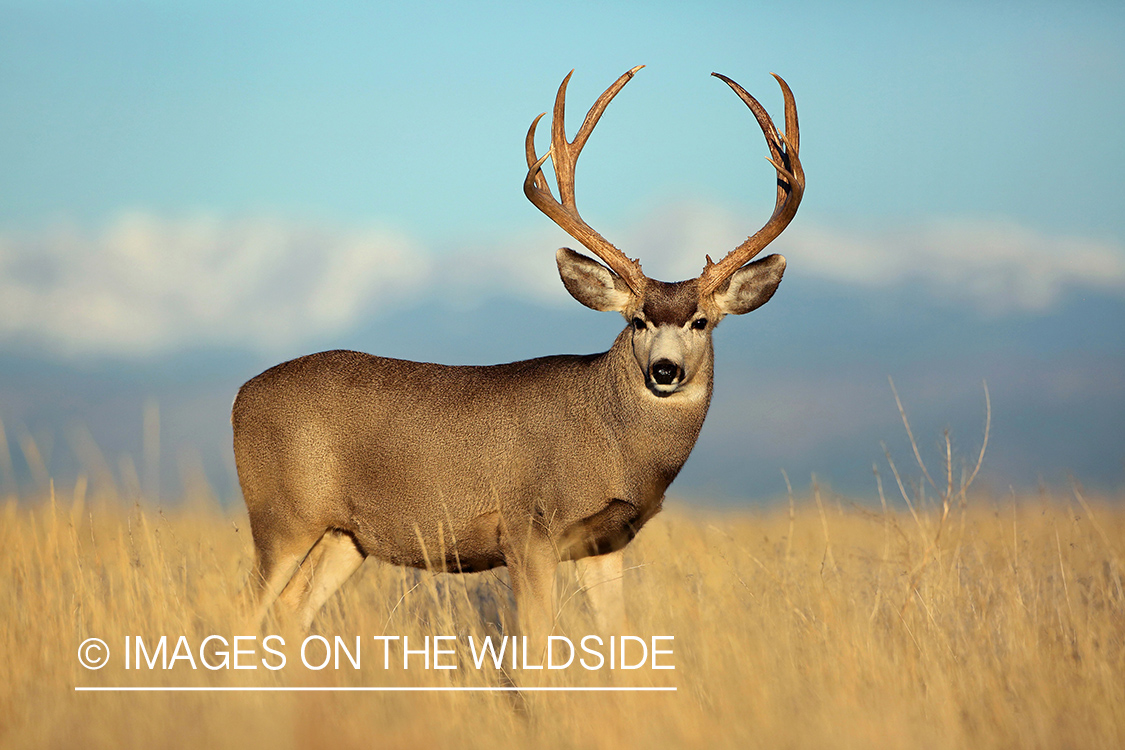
160, 689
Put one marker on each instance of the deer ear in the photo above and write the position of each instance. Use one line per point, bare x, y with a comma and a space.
591, 283
751, 286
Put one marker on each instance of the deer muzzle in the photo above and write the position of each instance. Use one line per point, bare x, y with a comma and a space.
664, 372
664, 377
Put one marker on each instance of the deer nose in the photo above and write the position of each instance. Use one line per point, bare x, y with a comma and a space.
664, 371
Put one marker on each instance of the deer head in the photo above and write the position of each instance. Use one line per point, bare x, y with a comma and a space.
670, 323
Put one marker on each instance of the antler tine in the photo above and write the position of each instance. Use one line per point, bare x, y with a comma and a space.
564, 156
535, 163
792, 132
784, 148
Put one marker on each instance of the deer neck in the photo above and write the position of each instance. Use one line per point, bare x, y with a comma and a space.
662, 429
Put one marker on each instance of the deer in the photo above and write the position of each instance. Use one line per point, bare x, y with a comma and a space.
343, 455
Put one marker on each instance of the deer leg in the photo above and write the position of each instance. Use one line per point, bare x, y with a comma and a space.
279, 556
297, 590
274, 571
600, 577
336, 558
532, 574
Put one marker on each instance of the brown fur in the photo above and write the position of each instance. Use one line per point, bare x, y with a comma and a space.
671, 304
569, 454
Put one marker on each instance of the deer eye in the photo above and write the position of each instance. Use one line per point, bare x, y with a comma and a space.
638, 324
699, 324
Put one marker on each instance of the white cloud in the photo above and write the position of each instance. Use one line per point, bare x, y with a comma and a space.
146, 284
994, 265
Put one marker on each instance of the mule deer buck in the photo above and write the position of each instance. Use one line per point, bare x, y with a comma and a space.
343, 456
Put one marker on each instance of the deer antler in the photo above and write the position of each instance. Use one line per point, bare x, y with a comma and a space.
563, 156
784, 148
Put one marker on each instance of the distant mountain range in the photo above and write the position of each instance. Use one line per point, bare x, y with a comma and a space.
801, 385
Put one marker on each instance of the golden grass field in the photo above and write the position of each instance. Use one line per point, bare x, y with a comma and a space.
834, 625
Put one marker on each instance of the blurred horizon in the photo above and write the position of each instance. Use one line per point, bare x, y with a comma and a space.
194, 192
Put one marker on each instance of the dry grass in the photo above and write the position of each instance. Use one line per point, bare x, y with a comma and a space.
836, 626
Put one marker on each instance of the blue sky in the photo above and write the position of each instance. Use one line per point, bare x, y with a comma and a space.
237, 183
359, 112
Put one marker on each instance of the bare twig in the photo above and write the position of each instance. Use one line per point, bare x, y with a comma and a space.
902, 491
886, 543
910, 433
792, 516
828, 557
984, 445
